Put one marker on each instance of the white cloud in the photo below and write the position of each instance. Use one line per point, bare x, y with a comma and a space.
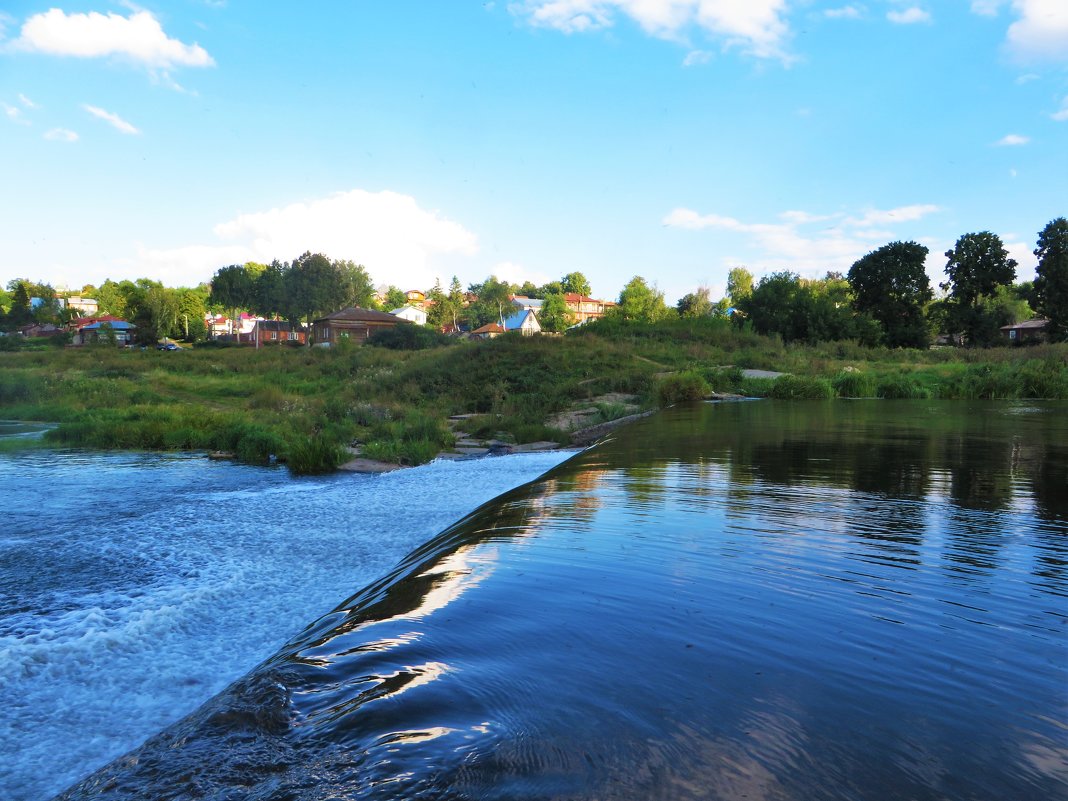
1062, 114
398, 241
1012, 140
804, 242
986, 8
757, 26
113, 119
61, 135
1041, 32
139, 38
845, 12
910, 16
696, 57
14, 114
27, 102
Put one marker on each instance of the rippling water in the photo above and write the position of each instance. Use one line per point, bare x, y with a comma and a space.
135, 587
844, 600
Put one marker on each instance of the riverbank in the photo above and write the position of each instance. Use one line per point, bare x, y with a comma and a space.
317, 409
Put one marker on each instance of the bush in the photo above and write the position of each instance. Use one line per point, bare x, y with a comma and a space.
314, 455
854, 384
901, 387
686, 386
796, 387
409, 337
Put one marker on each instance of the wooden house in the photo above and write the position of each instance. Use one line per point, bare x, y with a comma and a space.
354, 323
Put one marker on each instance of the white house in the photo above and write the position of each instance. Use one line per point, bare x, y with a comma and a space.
411, 314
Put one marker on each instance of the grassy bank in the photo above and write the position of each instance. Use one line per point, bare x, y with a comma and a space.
306, 407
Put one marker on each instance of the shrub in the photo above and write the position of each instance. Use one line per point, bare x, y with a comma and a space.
854, 384
796, 387
409, 337
686, 386
314, 455
900, 386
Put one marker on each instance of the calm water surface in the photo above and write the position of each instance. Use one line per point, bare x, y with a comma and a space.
842, 600
134, 587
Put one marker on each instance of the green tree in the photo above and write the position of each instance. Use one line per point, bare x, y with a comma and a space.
892, 286
739, 284
696, 304
641, 302
976, 266
494, 302
232, 288
314, 286
1051, 276
395, 298
576, 282
438, 314
20, 313
356, 284
554, 315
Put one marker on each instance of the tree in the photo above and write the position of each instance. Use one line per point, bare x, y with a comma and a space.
892, 286
739, 284
314, 285
438, 314
1051, 276
395, 298
554, 315
232, 287
456, 302
576, 282
356, 284
696, 304
977, 265
494, 302
20, 313
640, 302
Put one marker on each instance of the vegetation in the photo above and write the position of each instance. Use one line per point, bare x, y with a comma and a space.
307, 407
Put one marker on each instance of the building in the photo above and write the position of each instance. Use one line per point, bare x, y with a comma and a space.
524, 322
584, 309
1027, 332
415, 297
277, 332
89, 330
87, 306
411, 314
523, 302
352, 323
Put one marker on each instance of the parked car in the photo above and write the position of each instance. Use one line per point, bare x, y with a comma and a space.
167, 346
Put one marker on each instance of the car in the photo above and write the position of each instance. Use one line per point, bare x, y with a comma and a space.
167, 346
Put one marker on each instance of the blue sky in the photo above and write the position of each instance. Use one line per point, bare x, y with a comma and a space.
672, 139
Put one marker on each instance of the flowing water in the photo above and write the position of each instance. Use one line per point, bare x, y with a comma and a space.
134, 587
840, 600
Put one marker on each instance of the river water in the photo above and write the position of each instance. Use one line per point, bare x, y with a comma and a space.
134, 587
761, 600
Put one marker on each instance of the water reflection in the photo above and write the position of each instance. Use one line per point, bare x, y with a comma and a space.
778, 601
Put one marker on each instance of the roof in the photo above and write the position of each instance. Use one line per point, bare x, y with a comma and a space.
405, 308
355, 314
489, 328
516, 321
116, 325
81, 322
528, 303
575, 297
277, 325
1028, 325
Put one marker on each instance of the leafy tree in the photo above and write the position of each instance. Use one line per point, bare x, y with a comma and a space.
269, 296
696, 304
395, 298
356, 284
554, 315
553, 287
314, 285
494, 302
739, 284
456, 301
232, 287
20, 313
576, 282
438, 314
638, 301
892, 286
977, 265
529, 290
1051, 276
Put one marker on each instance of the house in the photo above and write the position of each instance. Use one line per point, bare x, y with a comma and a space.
353, 323
1027, 332
523, 302
89, 330
41, 330
415, 297
87, 306
219, 325
411, 314
584, 309
275, 332
524, 322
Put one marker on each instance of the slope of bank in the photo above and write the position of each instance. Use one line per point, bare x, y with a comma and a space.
316, 409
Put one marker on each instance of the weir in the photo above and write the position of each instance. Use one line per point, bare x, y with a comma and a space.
800, 601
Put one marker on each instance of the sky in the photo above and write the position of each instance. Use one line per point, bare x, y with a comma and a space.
671, 139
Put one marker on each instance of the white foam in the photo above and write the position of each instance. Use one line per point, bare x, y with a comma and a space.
137, 587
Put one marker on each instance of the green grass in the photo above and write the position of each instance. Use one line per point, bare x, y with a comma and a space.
303, 406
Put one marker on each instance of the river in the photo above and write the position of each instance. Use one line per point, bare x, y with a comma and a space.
758, 600
133, 587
